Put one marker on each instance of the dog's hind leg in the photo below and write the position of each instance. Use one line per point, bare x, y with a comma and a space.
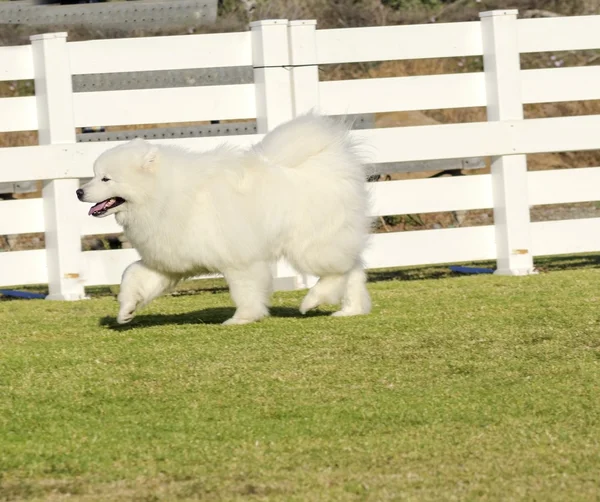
250, 289
356, 300
348, 289
139, 286
329, 289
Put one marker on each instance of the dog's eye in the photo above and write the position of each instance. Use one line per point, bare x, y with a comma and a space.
105, 179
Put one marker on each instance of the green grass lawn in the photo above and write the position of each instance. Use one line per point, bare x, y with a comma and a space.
454, 388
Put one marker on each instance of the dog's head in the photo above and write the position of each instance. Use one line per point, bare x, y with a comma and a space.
122, 175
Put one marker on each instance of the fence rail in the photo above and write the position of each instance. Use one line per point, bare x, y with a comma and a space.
285, 57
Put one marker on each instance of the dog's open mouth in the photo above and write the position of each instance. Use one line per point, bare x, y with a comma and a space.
102, 207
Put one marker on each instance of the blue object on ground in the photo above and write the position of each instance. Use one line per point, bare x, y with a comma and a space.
22, 294
471, 270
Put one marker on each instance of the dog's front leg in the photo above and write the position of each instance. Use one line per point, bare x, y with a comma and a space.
250, 288
139, 286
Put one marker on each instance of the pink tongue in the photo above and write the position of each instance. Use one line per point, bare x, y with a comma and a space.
98, 207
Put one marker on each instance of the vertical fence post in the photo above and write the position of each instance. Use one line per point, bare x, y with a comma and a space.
305, 84
305, 71
272, 80
509, 172
272, 77
53, 89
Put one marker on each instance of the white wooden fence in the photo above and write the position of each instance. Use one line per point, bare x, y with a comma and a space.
285, 56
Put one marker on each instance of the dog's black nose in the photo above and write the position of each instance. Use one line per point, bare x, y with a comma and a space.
79, 193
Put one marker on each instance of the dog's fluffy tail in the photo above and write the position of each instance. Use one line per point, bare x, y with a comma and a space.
293, 143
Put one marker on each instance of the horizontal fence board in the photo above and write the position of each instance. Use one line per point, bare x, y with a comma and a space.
448, 141
106, 267
549, 85
385, 250
21, 216
480, 139
431, 195
336, 97
383, 43
423, 247
459, 90
160, 53
18, 114
558, 34
561, 186
19, 268
565, 236
453, 141
186, 104
16, 63
76, 160
402, 93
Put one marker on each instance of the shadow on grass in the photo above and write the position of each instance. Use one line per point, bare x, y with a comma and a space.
207, 316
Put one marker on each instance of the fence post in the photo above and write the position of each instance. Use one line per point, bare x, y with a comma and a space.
509, 172
305, 70
53, 89
272, 80
305, 85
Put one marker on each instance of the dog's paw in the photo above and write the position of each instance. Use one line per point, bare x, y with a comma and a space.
125, 317
236, 322
348, 313
311, 301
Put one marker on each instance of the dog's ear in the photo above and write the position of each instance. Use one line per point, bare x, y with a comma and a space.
150, 158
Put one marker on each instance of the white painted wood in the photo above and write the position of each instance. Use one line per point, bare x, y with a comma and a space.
428, 92
565, 236
21, 216
382, 43
461, 90
76, 160
305, 98
186, 104
272, 77
388, 198
274, 103
562, 186
431, 195
16, 63
424, 247
19, 268
558, 34
509, 172
480, 139
55, 119
564, 135
451, 141
549, 85
305, 72
18, 114
287, 84
107, 267
160, 53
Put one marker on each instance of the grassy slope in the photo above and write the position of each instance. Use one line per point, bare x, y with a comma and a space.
459, 388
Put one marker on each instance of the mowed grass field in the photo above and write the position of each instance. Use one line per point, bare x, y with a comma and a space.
454, 388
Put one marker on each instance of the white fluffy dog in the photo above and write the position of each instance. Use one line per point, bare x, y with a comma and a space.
299, 194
